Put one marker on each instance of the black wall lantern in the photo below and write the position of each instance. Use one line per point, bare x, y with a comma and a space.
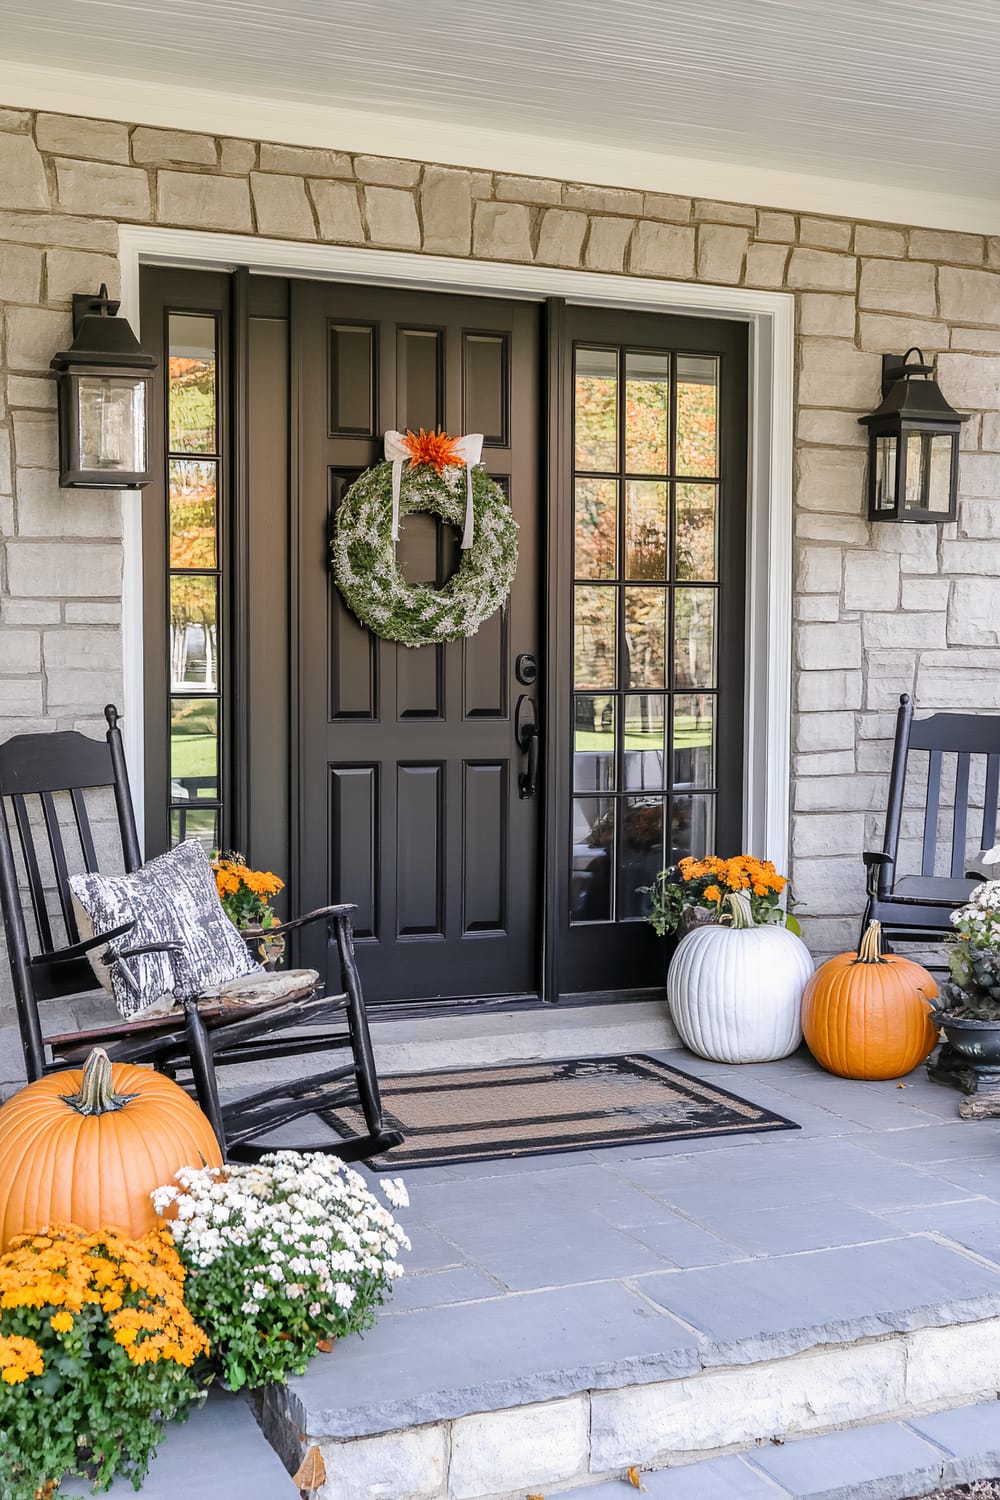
104, 400
912, 445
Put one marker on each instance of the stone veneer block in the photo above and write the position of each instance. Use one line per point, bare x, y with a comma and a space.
72, 570
22, 176
206, 202
392, 218
66, 271
821, 271
446, 211
833, 373
657, 1424
528, 190
765, 265
898, 286
943, 244
497, 1451
80, 233
773, 225
607, 243
91, 187
338, 212
826, 234
970, 380
71, 135
411, 1465
881, 331
164, 148
237, 157
387, 171
304, 161
666, 206
661, 250
22, 273
721, 253
33, 335
969, 296
560, 239
876, 239
831, 479
282, 206
725, 213
501, 231
827, 314
603, 200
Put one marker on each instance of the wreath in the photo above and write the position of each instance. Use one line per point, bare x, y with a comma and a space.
440, 479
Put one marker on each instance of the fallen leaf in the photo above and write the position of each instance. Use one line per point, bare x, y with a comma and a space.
902, 1085
311, 1475
325, 1345
534, 1497
632, 1475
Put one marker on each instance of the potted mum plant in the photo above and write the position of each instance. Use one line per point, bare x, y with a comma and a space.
283, 1256
245, 895
968, 1008
693, 892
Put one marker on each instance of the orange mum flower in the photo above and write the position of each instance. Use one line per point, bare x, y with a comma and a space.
712, 893
434, 448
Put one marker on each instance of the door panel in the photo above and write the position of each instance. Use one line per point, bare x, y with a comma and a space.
407, 757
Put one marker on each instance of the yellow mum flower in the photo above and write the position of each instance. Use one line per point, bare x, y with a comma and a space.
62, 1322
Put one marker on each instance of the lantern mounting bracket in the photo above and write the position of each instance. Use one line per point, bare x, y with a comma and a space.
893, 366
85, 305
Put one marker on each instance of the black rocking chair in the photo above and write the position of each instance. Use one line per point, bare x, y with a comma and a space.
44, 782
918, 908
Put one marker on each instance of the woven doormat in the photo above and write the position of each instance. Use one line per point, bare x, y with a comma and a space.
533, 1109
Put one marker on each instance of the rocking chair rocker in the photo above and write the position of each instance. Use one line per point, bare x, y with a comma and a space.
43, 781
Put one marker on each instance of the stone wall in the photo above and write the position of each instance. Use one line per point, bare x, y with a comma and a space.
877, 611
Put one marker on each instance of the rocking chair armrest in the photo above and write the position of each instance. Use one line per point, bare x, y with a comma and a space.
322, 913
80, 950
876, 863
114, 958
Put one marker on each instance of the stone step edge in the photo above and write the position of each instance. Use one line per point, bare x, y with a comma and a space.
885, 1461
587, 1437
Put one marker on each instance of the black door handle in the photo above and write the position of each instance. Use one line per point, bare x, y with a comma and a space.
526, 734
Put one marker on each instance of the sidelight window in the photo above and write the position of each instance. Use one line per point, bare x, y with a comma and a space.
193, 490
645, 620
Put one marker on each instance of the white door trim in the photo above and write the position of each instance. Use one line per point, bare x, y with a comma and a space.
771, 316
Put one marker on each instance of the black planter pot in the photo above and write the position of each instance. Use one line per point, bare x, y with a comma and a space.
969, 1058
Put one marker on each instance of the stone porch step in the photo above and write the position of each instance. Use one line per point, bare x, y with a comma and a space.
888, 1461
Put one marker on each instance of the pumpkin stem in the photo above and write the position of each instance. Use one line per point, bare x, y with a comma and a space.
97, 1095
870, 947
738, 910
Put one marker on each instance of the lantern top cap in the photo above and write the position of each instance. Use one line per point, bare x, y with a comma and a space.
102, 338
910, 394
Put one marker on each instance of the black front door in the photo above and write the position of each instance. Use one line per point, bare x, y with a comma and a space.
408, 767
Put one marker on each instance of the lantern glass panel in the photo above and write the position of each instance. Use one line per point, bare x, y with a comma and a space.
928, 471
885, 472
111, 421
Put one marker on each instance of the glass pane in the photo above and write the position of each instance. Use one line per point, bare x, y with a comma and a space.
645, 627
644, 741
697, 414
201, 823
694, 740
647, 413
593, 859
885, 473
596, 409
192, 512
692, 827
594, 637
928, 471
695, 532
939, 497
694, 638
192, 383
594, 744
596, 528
112, 420
645, 529
640, 853
194, 749
193, 633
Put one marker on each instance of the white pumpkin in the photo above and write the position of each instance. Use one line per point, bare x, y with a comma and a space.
735, 991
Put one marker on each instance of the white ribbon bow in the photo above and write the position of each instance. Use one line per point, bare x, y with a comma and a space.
470, 451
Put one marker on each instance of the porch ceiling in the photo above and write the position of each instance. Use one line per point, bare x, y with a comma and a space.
900, 93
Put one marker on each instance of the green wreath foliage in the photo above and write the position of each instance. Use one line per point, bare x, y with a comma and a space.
367, 573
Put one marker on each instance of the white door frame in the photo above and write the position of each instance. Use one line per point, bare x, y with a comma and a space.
771, 318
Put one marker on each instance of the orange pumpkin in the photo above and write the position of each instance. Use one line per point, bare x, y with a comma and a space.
88, 1147
866, 1014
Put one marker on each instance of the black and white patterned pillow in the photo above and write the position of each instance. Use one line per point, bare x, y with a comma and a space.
172, 899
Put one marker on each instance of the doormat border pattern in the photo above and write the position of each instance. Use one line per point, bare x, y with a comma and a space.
621, 1116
